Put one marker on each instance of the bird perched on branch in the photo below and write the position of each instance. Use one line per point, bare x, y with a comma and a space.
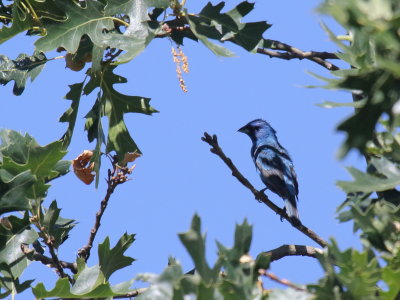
273, 164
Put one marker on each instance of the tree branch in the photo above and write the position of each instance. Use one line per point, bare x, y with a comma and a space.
270, 46
280, 280
115, 177
295, 53
33, 255
292, 250
56, 262
259, 195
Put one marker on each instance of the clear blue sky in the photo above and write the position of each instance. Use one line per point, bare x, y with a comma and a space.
177, 175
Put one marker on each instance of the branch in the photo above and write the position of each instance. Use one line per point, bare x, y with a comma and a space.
280, 280
319, 57
131, 294
259, 195
116, 176
33, 255
295, 53
56, 262
292, 250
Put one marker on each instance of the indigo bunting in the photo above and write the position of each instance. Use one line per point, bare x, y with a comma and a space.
273, 164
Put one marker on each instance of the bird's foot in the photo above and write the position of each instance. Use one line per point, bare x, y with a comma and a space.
284, 209
294, 221
260, 194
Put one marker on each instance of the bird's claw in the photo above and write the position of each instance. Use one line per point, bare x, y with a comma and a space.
284, 209
260, 194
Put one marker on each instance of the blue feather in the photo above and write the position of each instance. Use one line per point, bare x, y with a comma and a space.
273, 164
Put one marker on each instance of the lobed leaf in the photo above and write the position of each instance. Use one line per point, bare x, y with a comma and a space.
111, 260
11, 257
20, 70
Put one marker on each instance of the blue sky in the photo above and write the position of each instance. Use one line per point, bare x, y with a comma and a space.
177, 175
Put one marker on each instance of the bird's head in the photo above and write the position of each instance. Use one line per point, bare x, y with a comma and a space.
258, 129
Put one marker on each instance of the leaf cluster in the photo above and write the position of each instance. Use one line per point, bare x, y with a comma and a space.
92, 282
234, 276
372, 49
107, 33
26, 168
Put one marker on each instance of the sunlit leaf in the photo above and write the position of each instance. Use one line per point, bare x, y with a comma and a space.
20, 70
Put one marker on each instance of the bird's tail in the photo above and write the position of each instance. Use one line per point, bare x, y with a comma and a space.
292, 211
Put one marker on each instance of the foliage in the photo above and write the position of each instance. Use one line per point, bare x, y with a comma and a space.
92, 282
373, 54
107, 33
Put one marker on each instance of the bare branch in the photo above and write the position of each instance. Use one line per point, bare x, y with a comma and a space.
292, 250
56, 262
281, 280
33, 255
295, 53
116, 176
259, 195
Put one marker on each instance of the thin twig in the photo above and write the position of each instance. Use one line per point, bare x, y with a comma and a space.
259, 195
56, 261
115, 177
292, 250
281, 280
33, 255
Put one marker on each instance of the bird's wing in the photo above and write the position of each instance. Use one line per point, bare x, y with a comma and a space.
277, 171
271, 169
294, 177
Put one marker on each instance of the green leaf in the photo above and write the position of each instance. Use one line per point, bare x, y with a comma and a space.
20, 69
137, 35
391, 276
114, 105
10, 244
71, 113
14, 191
278, 294
240, 277
374, 74
40, 160
349, 274
10, 284
89, 20
243, 237
56, 226
367, 183
210, 23
162, 286
22, 154
216, 49
61, 168
90, 283
111, 260
29, 14
194, 243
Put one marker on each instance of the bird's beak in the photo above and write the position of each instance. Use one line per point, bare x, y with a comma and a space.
243, 129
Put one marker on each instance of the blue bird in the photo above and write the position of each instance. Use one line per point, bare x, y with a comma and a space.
273, 164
